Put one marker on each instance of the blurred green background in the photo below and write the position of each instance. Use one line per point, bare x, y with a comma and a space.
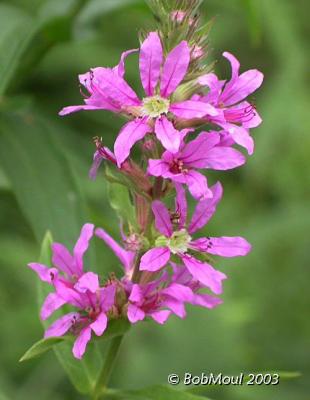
44, 160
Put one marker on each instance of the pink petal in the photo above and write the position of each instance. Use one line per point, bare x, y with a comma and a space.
151, 59
181, 204
175, 68
68, 294
61, 325
51, 303
80, 344
88, 281
126, 257
204, 273
205, 209
241, 136
107, 297
120, 68
162, 218
135, 313
157, 167
175, 306
81, 246
62, 259
215, 86
179, 292
100, 325
198, 185
195, 153
227, 246
192, 109
223, 158
166, 133
44, 273
72, 109
160, 316
128, 136
136, 295
206, 300
155, 259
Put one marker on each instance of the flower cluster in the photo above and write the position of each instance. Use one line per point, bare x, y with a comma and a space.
165, 266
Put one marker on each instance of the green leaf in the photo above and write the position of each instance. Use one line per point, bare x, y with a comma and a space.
42, 346
116, 327
158, 392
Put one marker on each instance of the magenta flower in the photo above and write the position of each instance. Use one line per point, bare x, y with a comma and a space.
167, 295
237, 115
206, 151
92, 303
176, 239
67, 269
160, 78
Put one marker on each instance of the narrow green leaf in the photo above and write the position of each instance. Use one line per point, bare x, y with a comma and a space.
40, 347
158, 392
120, 201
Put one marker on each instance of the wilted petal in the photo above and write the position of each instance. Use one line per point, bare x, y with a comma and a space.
151, 58
204, 273
160, 316
51, 303
223, 158
198, 185
229, 246
128, 136
100, 325
126, 257
162, 218
155, 259
72, 109
206, 300
166, 133
44, 273
61, 325
174, 68
193, 109
120, 68
62, 259
81, 246
80, 344
135, 313
205, 209
88, 281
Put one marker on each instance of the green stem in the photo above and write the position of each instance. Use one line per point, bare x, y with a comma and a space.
107, 367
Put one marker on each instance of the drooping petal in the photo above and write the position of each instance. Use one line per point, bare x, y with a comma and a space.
162, 218
229, 246
205, 209
196, 151
100, 324
126, 257
80, 343
176, 306
44, 273
72, 109
120, 68
179, 292
181, 204
62, 259
198, 185
166, 133
175, 68
160, 316
193, 109
51, 303
241, 136
204, 273
88, 281
135, 313
157, 167
223, 158
151, 59
81, 246
206, 300
155, 259
61, 325
235, 67
128, 136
